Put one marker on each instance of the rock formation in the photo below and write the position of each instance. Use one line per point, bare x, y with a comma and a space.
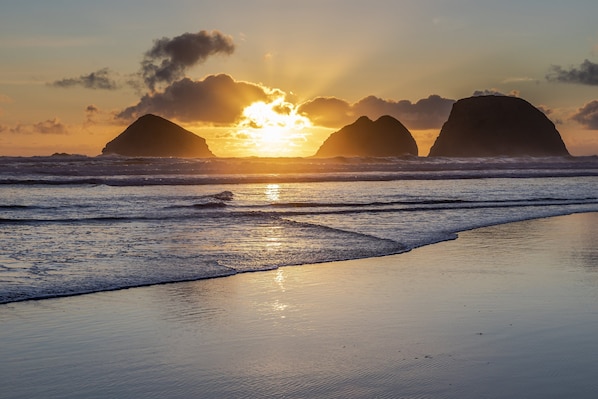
386, 137
489, 126
153, 136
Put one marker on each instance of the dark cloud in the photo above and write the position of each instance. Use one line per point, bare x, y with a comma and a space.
588, 115
327, 111
92, 109
168, 59
101, 79
166, 62
427, 113
218, 99
586, 73
495, 92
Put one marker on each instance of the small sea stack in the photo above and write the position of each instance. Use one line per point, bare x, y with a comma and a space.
153, 136
386, 137
489, 126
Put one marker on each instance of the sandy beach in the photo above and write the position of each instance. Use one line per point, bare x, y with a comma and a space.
508, 311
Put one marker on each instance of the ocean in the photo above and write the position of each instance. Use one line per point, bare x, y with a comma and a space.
72, 225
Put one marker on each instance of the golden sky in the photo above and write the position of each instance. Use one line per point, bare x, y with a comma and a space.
275, 78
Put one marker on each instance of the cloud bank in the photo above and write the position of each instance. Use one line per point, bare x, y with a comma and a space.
427, 113
586, 74
168, 59
494, 92
217, 99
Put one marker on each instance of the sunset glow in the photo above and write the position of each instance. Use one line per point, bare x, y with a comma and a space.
255, 82
274, 129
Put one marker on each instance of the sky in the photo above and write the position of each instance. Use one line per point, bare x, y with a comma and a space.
276, 78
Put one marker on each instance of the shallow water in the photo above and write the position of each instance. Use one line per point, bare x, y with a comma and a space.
76, 225
505, 311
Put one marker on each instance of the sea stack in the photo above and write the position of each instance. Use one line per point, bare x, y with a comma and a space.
153, 136
488, 126
386, 137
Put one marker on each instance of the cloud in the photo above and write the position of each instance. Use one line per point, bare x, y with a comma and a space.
92, 109
550, 113
90, 113
588, 115
164, 63
50, 126
494, 92
427, 113
217, 99
586, 73
327, 111
519, 80
102, 79
168, 59
545, 110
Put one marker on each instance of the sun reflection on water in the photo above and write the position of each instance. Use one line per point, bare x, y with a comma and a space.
278, 306
272, 192
279, 279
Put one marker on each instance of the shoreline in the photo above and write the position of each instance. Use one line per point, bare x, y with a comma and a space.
506, 310
449, 236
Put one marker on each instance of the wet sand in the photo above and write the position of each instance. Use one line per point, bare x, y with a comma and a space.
502, 312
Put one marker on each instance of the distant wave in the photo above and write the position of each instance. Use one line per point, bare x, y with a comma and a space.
177, 171
461, 202
281, 210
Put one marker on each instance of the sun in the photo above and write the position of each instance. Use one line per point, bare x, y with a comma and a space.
273, 129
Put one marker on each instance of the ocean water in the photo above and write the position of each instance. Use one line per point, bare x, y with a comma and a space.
71, 224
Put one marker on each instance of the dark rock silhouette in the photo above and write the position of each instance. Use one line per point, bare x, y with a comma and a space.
153, 136
386, 137
488, 126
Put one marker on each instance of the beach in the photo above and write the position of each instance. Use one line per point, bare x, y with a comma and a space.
503, 311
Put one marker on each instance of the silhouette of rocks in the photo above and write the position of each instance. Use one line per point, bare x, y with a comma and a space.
487, 126
386, 137
153, 136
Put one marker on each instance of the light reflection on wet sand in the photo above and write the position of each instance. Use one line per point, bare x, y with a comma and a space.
506, 311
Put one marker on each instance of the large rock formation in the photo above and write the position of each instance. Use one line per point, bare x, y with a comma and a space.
488, 126
386, 137
153, 136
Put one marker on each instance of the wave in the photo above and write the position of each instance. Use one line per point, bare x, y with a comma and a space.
202, 205
361, 246
17, 207
176, 171
464, 203
223, 196
52, 181
152, 263
281, 210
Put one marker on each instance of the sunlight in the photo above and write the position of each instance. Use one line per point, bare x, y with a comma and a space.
274, 129
272, 192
